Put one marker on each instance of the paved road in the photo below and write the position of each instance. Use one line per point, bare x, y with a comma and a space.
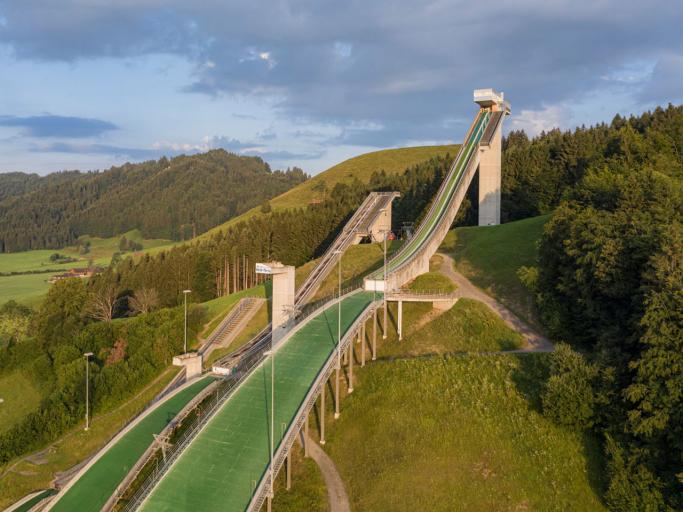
534, 341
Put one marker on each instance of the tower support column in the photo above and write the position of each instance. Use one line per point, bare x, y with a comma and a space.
322, 414
350, 368
374, 335
400, 320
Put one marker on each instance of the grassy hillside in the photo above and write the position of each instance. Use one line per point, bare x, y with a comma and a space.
490, 257
164, 199
427, 431
432, 425
19, 397
459, 433
392, 161
30, 286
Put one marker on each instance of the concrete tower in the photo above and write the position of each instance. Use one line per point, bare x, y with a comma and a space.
490, 155
283, 299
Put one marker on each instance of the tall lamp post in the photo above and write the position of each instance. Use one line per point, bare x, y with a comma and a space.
87, 356
185, 292
336, 401
385, 232
271, 353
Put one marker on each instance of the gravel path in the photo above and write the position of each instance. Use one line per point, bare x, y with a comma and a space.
336, 493
534, 342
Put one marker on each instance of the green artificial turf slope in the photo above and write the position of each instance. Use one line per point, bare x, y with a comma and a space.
221, 468
95, 487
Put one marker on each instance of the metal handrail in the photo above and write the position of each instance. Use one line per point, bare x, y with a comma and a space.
420, 293
243, 304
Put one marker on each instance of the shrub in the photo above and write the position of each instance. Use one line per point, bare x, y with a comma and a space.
569, 398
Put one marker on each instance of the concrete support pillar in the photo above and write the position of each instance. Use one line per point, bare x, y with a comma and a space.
289, 470
384, 331
336, 393
381, 225
362, 345
350, 368
269, 502
306, 434
489, 181
322, 414
400, 320
374, 335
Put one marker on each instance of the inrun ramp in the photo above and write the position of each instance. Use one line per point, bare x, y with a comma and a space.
443, 199
224, 464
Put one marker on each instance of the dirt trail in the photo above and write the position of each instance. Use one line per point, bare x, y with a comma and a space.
534, 342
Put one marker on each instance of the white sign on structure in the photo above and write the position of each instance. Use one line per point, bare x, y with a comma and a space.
262, 268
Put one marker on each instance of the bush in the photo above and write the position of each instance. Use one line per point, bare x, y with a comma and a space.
569, 398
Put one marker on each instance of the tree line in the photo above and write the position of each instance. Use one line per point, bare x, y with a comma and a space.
224, 263
609, 281
172, 199
47, 346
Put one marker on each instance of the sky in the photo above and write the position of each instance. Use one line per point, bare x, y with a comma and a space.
87, 84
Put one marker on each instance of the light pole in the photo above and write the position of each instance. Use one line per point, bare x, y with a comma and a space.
336, 401
384, 295
87, 389
185, 292
271, 353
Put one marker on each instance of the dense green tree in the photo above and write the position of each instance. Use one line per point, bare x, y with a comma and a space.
61, 315
569, 397
171, 199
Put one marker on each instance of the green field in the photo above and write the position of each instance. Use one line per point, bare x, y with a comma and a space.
469, 326
392, 161
459, 434
19, 397
29, 288
491, 255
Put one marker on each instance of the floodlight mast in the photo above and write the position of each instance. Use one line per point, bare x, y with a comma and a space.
185, 292
271, 353
336, 401
87, 356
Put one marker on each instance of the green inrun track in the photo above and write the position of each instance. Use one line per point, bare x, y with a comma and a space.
222, 466
93, 489
431, 222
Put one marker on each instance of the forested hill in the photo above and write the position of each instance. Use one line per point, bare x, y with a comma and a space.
169, 199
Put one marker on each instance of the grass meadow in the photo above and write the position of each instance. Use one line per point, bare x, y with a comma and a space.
31, 285
459, 433
19, 395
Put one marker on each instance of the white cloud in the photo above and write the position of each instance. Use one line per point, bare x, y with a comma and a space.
534, 122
